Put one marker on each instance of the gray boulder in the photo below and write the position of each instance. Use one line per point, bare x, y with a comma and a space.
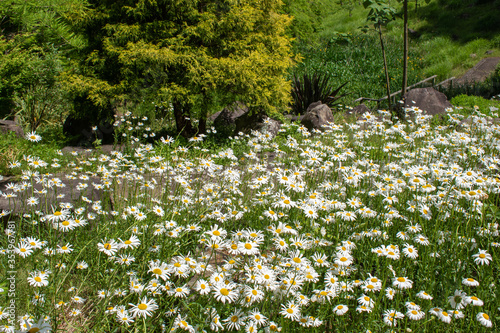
293, 118
429, 100
317, 116
357, 111
225, 120
7, 126
257, 122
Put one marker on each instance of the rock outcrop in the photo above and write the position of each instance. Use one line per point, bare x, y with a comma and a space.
7, 126
317, 116
429, 100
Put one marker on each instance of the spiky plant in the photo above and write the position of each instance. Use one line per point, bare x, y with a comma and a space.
310, 88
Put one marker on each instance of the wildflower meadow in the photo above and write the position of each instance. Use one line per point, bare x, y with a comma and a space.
366, 226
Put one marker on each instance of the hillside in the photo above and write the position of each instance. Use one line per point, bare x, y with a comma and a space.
329, 38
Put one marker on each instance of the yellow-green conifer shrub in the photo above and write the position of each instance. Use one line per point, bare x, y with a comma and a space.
194, 54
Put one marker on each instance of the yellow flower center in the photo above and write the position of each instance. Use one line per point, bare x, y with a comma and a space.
142, 306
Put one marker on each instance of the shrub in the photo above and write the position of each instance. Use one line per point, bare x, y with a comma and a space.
40, 105
310, 88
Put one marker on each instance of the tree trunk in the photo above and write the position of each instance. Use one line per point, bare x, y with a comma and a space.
387, 81
181, 114
202, 125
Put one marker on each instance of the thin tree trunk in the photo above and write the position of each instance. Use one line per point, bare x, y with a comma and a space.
405, 58
405, 47
387, 81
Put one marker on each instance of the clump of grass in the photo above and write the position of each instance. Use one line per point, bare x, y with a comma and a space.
487, 106
14, 149
310, 88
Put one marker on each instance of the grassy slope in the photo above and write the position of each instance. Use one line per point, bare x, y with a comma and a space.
448, 35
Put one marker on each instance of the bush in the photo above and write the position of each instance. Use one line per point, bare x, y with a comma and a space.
40, 105
310, 88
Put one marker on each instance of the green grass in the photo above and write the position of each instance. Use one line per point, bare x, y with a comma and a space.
15, 149
356, 59
470, 103
448, 37
446, 58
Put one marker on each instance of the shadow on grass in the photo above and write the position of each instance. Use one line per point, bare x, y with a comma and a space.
462, 22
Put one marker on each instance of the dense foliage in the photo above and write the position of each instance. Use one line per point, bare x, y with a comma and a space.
193, 55
36, 42
190, 58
